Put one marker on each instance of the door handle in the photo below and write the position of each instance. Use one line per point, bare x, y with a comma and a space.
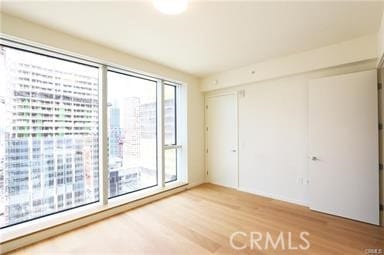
233, 150
314, 158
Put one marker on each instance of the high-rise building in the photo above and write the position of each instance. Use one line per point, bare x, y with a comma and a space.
2, 138
49, 137
49, 132
114, 132
124, 145
135, 168
131, 131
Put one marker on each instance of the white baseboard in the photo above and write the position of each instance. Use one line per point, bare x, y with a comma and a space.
192, 185
275, 196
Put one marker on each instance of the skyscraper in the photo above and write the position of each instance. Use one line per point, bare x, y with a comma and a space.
49, 132
49, 137
115, 143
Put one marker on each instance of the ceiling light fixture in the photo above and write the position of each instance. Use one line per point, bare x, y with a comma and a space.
171, 7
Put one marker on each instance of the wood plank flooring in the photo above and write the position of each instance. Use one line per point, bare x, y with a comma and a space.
202, 220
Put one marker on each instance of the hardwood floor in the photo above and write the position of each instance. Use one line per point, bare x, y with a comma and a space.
202, 220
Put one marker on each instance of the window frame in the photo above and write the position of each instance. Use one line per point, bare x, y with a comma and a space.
129, 74
62, 57
103, 202
174, 146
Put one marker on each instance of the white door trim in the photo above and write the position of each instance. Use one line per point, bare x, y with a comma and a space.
235, 95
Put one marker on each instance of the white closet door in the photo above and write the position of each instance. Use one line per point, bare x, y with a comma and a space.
343, 146
221, 121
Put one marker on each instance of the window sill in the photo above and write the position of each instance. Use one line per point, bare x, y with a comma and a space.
88, 212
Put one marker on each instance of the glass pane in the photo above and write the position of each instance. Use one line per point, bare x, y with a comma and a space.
170, 158
170, 114
48, 135
132, 130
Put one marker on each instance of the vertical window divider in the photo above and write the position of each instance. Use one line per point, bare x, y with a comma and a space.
182, 134
179, 140
103, 136
160, 131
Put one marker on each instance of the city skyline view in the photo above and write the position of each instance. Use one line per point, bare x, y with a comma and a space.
49, 135
132, 129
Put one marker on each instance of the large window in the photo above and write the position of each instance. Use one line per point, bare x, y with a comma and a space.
48, 135
132, 132
170, 132
54, 108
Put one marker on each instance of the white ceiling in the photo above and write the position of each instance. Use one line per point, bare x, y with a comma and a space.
210, 36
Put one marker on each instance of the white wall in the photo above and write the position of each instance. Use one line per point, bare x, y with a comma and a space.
19, 28
381, 41
273, 133
358, 49
272, 118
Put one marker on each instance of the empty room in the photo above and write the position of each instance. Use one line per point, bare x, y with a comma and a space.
162, 127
